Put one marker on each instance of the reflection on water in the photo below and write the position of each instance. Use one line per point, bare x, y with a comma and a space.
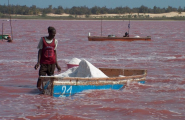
161, 97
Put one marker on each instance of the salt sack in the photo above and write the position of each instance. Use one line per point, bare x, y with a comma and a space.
74, 61
85, 69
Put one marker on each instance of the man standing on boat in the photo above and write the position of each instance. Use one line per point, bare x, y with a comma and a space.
47, 56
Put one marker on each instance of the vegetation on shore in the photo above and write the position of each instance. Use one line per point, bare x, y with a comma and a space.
91, 18
85, 13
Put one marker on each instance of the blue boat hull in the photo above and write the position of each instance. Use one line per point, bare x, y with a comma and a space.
67, 86
68, 90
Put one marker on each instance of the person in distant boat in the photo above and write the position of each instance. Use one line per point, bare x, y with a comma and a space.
8, 39
47, 56
126, 35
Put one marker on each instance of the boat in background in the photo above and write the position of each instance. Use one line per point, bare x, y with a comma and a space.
126, 37
3, 36
114, 38
67, 86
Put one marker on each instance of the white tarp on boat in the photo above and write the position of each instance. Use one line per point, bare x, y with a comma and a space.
85, 69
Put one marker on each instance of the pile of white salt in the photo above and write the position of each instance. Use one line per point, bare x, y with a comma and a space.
85, 69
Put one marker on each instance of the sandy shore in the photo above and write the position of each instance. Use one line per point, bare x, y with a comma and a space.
171, 14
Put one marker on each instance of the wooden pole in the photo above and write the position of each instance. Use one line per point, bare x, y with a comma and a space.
10, 21
101, 25
2, 31
129, 26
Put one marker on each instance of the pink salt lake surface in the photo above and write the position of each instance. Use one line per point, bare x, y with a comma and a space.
161, 97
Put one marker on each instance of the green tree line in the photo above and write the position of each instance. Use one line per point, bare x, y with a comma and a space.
83, 10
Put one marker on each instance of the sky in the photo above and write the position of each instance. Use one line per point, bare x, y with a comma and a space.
99, 3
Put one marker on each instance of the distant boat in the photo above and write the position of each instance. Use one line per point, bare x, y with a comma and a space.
114, 38
67, 86
3, 36
6, 20
9, 20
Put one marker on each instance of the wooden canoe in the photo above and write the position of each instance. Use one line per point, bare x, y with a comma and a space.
101, 38
66, 86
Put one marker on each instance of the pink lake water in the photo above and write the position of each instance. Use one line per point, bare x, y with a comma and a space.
162, 97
